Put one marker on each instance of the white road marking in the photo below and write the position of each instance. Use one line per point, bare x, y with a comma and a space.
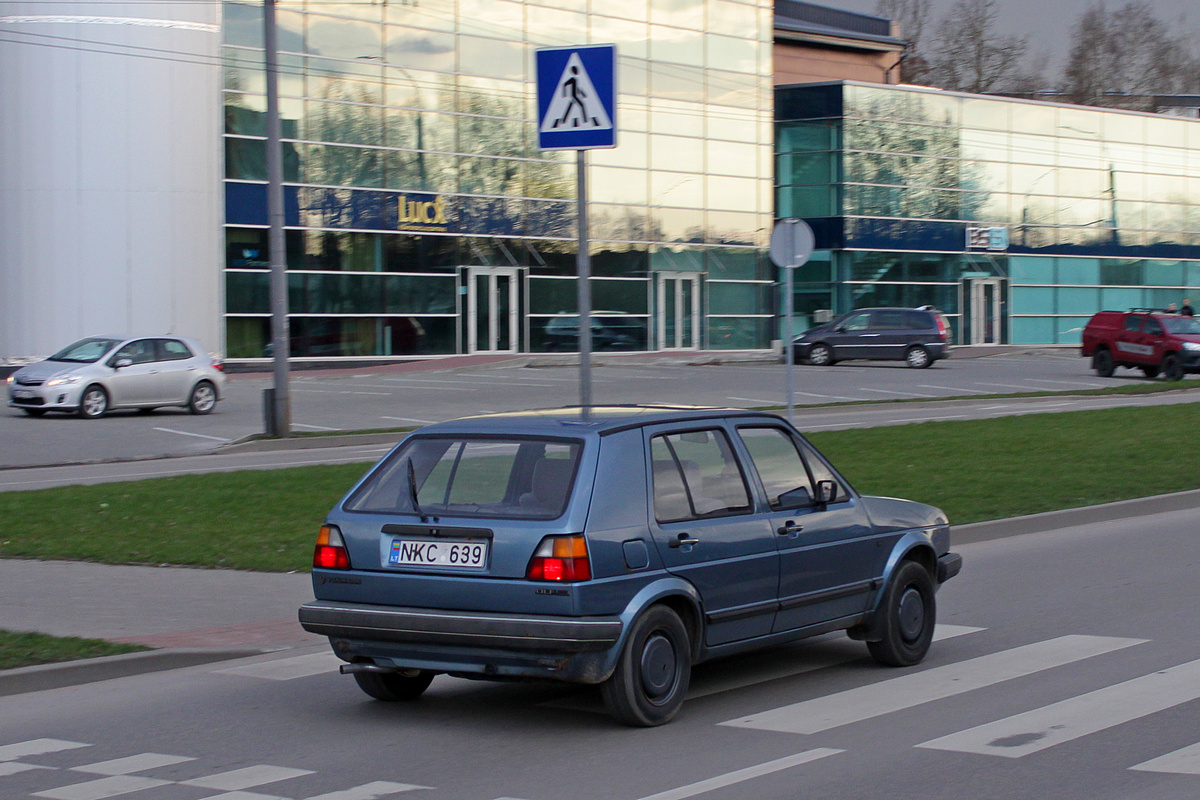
931, 418
896, 391
1181, 762
102, 788
286, 669
828, 396
131, 764
1011, 386
340, 391
741, 775
952, 388
13, 767
314, 427
37, 747
197, 435
1079, 716
411, 419
752, 400
1068, 383
243, 796
370, 791
246, 777
884, 697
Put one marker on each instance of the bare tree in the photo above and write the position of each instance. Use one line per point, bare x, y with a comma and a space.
967, 54
1122, 58
912, 16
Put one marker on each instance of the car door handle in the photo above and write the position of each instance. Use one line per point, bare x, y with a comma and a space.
788, 528
681, 540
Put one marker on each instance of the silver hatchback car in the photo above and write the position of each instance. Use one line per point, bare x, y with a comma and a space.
101, 373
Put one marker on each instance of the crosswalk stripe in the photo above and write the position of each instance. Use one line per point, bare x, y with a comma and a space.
13, 767
246, 777
286, 669
370, 791
1079, 716
102, 788
877, 699
243, 796
1181, 762
131, 764
738, 776
36, 747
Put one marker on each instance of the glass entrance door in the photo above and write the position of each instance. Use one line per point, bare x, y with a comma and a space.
678, 312
492, 310
986, 308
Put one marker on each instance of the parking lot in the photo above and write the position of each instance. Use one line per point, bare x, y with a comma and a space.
400, 396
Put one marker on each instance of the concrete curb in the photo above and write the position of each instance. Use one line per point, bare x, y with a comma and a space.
90, 670
1069, 517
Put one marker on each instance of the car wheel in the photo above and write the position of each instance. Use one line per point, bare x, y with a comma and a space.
653, 671
1171, 368
820, 355
1102, 362
918, 357
34, 412
394, 686
908, 614
1150, 372
203, 398
93, 404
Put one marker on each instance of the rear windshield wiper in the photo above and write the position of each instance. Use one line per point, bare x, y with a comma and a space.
412, 491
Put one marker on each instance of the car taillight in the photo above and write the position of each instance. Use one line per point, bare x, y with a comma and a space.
941, 323
560, 558
218, 366
330, 552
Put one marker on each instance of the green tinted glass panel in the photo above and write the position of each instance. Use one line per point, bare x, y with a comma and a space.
738, 298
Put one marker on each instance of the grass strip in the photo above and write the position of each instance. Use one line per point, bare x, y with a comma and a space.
975, 470
27, 649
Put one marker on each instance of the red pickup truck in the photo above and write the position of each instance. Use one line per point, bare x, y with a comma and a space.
1152, 341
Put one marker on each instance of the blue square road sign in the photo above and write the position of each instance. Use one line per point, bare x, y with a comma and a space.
576, 94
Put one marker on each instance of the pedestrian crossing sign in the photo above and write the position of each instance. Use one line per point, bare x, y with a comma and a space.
576, 93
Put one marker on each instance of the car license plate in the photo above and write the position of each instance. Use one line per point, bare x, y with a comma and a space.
23, 394
440, 553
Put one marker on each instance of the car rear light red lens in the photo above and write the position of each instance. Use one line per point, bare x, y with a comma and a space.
560, 558
330, 552
218, 366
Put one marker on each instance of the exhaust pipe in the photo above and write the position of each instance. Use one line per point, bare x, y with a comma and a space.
364, 666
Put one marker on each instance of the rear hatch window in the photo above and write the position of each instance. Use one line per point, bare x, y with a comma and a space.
491, 477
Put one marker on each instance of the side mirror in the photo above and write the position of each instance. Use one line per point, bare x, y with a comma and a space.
123, 362
826, 491
796, 498
840, 329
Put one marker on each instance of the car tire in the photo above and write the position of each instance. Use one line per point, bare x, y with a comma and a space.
393, 687
918, 357
821, 355
1150, 372
654, 669
93, 403
1102, 362
908, 613
1172, 369
34, 412
203, 398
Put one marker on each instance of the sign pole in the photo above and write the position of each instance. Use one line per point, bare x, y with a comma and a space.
279, 421
583, 263
791, 246
789, 301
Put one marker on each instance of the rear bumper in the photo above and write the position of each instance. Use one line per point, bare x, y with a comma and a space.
471, 642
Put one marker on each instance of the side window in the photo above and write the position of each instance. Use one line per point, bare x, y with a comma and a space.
779, 466
919, 320
172, 350
1153, 327
857, 322
820, 472
890, 320
140, 352
695, 474
1133, 323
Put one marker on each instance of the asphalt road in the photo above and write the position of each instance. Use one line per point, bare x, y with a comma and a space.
379, 398
1039, 687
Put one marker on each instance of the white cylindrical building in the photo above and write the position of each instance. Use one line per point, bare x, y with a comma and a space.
110, 172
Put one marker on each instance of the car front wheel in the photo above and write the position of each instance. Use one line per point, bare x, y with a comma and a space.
394, 686
908, 614
1171, 368
820, 355
93, 403
1102, 362
203, 398
918, 357
652, 674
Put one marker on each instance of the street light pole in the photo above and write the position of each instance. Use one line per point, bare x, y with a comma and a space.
279, 414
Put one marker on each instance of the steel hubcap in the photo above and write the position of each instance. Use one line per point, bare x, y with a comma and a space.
912, 615
204, 398
658, 666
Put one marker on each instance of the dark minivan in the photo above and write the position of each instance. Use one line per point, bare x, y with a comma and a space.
917, 336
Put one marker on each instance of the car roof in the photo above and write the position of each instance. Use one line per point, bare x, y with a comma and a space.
602, 420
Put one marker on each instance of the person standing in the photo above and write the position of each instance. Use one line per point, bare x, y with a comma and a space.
1170, 309
1186, 309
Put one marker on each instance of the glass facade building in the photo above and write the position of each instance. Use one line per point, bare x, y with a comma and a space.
422, 219
1018, 219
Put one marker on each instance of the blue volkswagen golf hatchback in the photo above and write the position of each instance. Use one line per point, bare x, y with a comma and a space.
616, 548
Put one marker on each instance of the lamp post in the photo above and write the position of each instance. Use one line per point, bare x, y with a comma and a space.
277, 408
